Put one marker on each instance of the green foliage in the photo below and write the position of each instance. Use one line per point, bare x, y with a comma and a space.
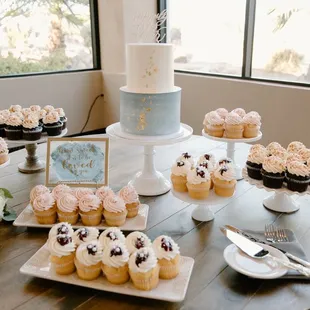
282, 17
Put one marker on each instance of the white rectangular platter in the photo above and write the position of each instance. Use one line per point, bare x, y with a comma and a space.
28, 219
169, 290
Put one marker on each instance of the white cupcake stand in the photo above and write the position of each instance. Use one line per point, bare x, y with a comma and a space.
32, 164
231, 148
281, 201
149, 182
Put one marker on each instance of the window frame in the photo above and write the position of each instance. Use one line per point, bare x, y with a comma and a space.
94, 24
246, 71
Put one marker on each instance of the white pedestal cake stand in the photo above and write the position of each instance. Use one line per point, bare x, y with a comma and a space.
149, 182
231, 148
32, 164
281, 200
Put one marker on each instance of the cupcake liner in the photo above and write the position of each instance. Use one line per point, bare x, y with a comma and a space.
199, 191
145, 281
179, 183
87, 272
224, 188
297, 185
115, 219
71, 218
215, 131
116, 275
64, 265
47, 216
91, 219
250, 131
169, 269
254, 173
272, 181
132, 209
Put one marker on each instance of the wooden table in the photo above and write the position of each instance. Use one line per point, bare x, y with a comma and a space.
213, 285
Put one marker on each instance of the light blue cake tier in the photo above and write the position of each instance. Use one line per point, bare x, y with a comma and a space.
150, 114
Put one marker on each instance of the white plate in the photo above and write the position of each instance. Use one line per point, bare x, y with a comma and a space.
224, 139
28, 219
169, 290
264, 268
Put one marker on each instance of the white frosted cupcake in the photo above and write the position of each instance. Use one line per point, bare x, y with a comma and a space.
207, 157
88, 260
115, 263
4, 152
137, 240
80, 192
187, 157
44, 209
214, 124
68, 208
252, 124
234, 126
90, 210
271, 147
304, 153
59, 190
224, 181
114, 211
295, 147
85, 235
273, 172
110, 235
168, 255
131, 199
222, 112
240, 112
62, 228
198, 183
179, 172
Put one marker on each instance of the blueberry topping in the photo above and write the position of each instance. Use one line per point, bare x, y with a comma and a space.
83, 233
64, 239
112, 236
116, 251
186, 155
166, 245
223, 169
204, 164
180, 163
62, 230
200, 172
225, 161
141, 257
92, 249
140, 243
207, 156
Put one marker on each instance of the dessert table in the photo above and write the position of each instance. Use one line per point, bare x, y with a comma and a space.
213, 284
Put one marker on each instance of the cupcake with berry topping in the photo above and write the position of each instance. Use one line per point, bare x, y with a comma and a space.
144, 269
90, 210
198, 183
110, 235
114, 211
103, 192
52, 124
44, 209
62, 250
37, 191
62, 228
62, 116
222, 112
187, 157
115, 263
214, 124
32, 130
4, 152
304, 154
85, 235
68, 208
209, 157
131, 199
254, 163
225, 161
239, 111
168, 255
88, 260
59, 190
297, 176
179, 173
209, 166
273, 172
234, 126
13, 129
224, 181
252, 126
137, 240
295, 147
82, 191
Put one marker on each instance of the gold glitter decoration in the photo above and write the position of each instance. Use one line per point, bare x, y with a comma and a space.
152, 69
142, 123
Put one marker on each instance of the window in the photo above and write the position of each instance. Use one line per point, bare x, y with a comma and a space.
47, 36
264, 40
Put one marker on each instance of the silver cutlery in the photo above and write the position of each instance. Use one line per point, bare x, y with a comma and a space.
275, 234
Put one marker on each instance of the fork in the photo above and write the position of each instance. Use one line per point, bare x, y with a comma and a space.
274, 234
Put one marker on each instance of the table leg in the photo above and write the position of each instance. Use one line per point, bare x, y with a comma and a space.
32, 164
231, 154
281, 202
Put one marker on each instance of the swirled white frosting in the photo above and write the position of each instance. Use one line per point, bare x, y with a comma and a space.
89, 203
293, 157
225, 161
295, 146
181, 168
129, 194
2, 119
213, 118
255, 113
114, 204
258, 156
273, 146
233, 118
137, 240
35, 108
41, 114
61, 245
142, 260
5, 113
165, 248
186, 157
252, 119
281, 153
298, 168
225, 173
85, 235
115, 255
198, 175
60, 112
15, 108
62, 228
103, 192
239, 111
110, 235
67, 203
37, 191
89, 253
274, 164
43, 202
80, 192
256, 147
59, 190
3, 147
222, 112
30, 123
304, 153
51, 118
14, 120
48, 108
207, 157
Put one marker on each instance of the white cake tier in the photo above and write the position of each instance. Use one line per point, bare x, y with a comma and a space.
150, 68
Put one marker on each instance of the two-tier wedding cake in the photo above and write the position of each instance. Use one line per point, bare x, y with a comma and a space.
150, 103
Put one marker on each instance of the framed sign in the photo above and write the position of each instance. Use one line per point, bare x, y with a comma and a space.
79, 162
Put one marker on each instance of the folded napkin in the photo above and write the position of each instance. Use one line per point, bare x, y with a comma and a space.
293, 247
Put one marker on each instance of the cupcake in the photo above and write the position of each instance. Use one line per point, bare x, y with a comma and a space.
295, 147
2, 125
31, 128
48, 108
131, 199
187, 157
52, 124
271, 147
304, 154
62, 250
255, 114
179, 173
4, 152
224, 181
37, 191
114, 211
252, 126
297, 176
214, 124
293, 157
240, 112
234, 126
144, 269
222, 112
13, 129
80, 192
90, 210
136, 241
35, 108
68, 208
62, 116
168, 255
273, 172
198, 183
115, 263
88, 260
103, 192
15, 108
209, 166
254, 163
44, 209
256, 147
85, 235
225, 162
207, 157
110, 235
59, 190
41, 115
60, 229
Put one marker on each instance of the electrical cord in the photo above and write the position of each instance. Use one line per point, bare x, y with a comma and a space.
90, 110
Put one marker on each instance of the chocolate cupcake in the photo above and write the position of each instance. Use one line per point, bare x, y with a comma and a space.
273, 172
32, 131
62, 116
297, 176
2, 125
52, 124
13, 129
254, 163
41, 114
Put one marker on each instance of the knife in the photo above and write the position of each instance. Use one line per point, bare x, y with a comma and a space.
254, 250
250, 237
